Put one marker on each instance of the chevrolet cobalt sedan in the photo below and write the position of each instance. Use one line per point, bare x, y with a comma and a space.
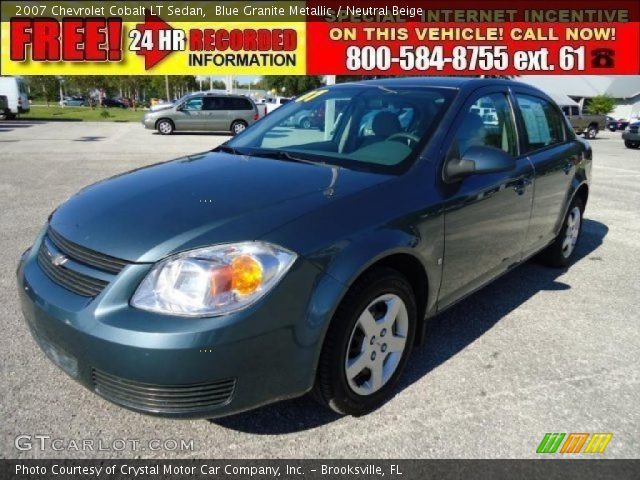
288, 261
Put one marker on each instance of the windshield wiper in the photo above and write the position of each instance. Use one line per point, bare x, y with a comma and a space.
227, 149
281, 155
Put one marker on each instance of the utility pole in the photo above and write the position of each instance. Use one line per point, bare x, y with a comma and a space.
61, 93
166, 85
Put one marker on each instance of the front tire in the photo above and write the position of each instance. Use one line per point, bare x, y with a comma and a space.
562, 251
368, 343
165, 127
630, 144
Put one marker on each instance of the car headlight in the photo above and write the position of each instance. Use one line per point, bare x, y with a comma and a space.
213, 280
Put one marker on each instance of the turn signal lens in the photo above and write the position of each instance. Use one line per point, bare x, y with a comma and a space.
246, 275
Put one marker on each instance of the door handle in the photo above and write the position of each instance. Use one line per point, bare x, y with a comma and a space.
521, 185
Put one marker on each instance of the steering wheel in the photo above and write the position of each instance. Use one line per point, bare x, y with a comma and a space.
404, 135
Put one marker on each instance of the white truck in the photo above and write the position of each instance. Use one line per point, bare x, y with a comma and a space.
274, 102
14, 90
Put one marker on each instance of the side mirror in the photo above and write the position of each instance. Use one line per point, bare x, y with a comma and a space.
479, 160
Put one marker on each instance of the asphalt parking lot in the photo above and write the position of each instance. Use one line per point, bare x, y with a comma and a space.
537, 351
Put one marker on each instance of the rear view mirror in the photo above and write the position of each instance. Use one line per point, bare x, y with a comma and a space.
479, 160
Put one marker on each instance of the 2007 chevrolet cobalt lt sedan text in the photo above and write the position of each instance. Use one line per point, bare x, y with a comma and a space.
289, 261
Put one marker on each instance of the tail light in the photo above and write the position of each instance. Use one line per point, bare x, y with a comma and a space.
256, 116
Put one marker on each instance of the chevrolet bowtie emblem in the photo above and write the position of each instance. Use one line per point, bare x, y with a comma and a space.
58, 259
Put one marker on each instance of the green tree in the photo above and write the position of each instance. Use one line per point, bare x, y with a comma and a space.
293, 85
45, 87
600, 105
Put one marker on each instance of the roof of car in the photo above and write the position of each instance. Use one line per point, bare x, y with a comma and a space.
220, 94
447, 82
468, 84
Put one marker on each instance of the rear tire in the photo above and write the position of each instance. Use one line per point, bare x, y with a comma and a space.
238, 127
305, 123
562, 251
368, 343
10, 116
165, 126
591, 132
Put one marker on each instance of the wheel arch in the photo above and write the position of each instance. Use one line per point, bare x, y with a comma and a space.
238, 120
583, 192
414, 271
581, 189
405, 261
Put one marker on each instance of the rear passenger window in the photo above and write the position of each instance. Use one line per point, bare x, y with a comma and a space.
233, 103
489, 123
212, 103
543, 122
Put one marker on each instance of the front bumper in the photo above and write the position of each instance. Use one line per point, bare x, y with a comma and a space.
174, 366
149, 122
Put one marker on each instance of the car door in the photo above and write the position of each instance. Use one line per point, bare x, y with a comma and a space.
189, 116
486, 215
554, 153
217, 113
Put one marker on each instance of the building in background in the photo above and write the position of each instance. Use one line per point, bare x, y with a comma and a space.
625, 89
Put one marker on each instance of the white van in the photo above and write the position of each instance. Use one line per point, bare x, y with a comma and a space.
15, 91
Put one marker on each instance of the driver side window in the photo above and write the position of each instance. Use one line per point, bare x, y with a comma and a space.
193, 104
489, 122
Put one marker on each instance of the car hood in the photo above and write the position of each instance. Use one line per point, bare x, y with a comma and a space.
159, 107
199, 200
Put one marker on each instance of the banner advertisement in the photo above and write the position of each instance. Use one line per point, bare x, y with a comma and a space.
457, 37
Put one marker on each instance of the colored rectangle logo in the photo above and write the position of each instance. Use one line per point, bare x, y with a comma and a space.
564, 443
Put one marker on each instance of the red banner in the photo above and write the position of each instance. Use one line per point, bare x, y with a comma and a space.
374, 39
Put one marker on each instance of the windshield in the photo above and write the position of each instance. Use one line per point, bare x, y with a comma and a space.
356, 126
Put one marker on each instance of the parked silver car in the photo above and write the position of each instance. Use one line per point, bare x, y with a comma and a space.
204, 111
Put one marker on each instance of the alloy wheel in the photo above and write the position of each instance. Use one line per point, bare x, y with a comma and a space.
165, 127
376, 345
573, 231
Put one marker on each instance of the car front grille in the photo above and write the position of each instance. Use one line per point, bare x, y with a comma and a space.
84, 255
76, 268
163, 398
67, 278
